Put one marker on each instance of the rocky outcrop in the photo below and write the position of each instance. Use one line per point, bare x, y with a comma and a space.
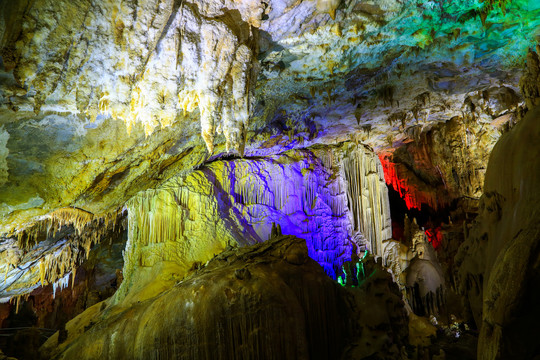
530, 81
499, 266
268, 301
445, 162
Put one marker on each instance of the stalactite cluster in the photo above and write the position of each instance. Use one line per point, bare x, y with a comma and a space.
49, 251
50, 224
410, 193
308, 194
368, 197
219, 75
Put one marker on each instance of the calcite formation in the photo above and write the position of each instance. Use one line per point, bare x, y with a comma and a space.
368, 198
237, 202
218, 311
166, 56
417, 271
499, 261
447, 161
117, 86
214, 125
49, 251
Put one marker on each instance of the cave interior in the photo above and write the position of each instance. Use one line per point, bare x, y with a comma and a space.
269, 179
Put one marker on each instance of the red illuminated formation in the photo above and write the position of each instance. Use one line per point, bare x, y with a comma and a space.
409, 192
435, 237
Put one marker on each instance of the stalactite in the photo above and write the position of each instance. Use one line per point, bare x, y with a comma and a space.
240, 199
61, 283
61, 254
368, 196
413, 197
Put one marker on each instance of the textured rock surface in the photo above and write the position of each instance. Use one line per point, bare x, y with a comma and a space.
268, 301
332, 197
499, 269
447, 161
27, 321
237, 202
161, 53
417, 272
103, 104
376, 72
530, 81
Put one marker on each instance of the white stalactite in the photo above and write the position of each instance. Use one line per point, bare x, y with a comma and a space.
4, 151
368, 196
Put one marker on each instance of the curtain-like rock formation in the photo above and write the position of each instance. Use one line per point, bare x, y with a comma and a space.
332, 202
368, 197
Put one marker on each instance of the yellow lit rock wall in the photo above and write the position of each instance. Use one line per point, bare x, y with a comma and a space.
141, 62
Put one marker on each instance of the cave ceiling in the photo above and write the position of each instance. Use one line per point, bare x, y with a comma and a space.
100, 100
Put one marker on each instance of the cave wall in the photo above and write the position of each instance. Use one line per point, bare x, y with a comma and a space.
213, 120
499, 266
446, 162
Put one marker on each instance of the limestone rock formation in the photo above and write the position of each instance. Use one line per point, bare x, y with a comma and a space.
49, 251
417, 271
499, 266
206, 127
236, 202
117, 87
163, 54
530, 81
268, 301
